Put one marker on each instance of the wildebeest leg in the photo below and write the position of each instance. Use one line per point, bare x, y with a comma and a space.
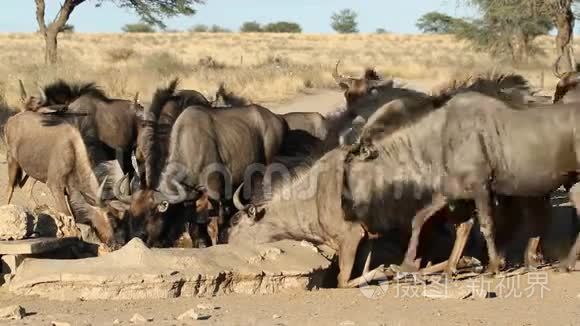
14, 175
569, 263
213, 229
461, 236
536, 211
348, 246
483, 206
58, 192
31, 192
437, 202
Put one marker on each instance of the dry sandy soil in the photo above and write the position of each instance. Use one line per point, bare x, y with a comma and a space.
399, 305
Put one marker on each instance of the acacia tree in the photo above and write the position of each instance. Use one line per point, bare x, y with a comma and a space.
561, 14
150, 11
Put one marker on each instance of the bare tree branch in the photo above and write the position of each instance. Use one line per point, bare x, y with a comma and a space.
40, 16
64, 13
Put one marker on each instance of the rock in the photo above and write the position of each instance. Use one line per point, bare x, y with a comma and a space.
15, 222
276, 316
14, 312
50, 223
137, 272
138, 319
192, 314
347, 323
206, 306
58, 323
116, 322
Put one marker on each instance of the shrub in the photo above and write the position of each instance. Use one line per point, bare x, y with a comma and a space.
120, 54
251, 27
138, 28
165, 64
283, 27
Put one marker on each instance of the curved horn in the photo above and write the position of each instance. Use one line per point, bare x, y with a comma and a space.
117, 190
136, 98
340, 79
23, 94
556, 68
43, 98
99, 198
237, 202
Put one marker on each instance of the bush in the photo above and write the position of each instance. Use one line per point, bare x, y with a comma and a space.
219, 29
199, 28
138, 28
120, 54
282, 27
381, 31
210, 63
165, 64
251, 27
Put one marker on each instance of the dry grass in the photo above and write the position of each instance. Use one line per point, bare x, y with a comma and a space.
263, 67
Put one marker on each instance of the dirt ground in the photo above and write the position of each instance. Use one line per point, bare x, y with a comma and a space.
536, 298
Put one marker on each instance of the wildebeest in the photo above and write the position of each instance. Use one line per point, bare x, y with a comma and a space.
312, 123
490, 148
57, 156
305, 208
106, 125
210, 151
567, 90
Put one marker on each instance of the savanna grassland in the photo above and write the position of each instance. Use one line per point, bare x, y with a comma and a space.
264, 67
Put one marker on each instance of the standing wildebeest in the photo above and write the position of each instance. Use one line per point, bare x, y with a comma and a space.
106, 125
210, 150
312, 123
490, 148
57, 156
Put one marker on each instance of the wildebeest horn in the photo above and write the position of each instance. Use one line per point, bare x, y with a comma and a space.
43, 98
556, 68
117, 190
340, 79
237, 202
136, 98
23, 94
99, 198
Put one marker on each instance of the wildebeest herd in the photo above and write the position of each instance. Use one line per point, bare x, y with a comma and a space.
485, 150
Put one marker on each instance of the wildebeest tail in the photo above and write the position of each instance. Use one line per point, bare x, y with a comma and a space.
151, 147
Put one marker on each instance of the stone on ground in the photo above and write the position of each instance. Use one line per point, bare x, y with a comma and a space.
15, 222
192, 314
137, 272
14, 312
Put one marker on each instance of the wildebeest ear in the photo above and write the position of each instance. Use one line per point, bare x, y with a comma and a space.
344, 86
163, 206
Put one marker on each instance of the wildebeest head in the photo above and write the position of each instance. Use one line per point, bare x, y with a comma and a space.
568, 81
358, 89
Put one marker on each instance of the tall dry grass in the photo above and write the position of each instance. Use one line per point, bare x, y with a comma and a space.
264, 67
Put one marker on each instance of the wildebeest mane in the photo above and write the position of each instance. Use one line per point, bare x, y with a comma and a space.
151, 146
62, 92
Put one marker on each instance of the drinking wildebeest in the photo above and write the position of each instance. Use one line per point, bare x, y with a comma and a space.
106, 125
210, 149
304, 208
57, 156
